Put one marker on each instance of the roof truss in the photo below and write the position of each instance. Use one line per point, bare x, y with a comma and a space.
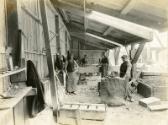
122, 25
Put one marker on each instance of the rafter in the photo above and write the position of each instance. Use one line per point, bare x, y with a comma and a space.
98, 42
77, 27
77, 9
65, 16
103, 39
128, 7
107, 31
68, 6
95, 45
86, 24
122, 25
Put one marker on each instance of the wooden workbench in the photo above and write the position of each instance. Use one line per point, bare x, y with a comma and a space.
13, 110
10, 103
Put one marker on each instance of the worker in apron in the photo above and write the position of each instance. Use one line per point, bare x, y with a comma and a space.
72, 68
104, 65
125, 72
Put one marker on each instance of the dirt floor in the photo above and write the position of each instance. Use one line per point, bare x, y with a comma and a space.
86, 93
130, 114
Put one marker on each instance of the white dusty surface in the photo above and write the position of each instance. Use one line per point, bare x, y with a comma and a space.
43, 118
130, 114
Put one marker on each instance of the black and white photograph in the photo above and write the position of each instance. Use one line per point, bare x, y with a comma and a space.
83, 62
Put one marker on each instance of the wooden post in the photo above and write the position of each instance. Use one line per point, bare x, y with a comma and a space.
53, 85
135, 59
58, 34
132, 52
116, 55
78, 49
138, 53
127, 49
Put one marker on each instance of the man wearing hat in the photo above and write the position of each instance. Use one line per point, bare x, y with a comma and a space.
125, 72
125, 68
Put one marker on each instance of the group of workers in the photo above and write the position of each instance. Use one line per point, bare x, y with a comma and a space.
68, 67
125, 68
124, 73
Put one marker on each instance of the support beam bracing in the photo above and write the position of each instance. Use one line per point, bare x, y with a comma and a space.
138, 53
49, 58
128, 7
107, 31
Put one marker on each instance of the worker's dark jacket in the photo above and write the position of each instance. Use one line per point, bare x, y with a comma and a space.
125, 69
71, 66
83, 61
104, 66
104, 60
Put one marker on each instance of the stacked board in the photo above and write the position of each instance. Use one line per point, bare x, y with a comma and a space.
82, 114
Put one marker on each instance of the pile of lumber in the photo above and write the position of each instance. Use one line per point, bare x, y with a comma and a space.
153, 104
82, 114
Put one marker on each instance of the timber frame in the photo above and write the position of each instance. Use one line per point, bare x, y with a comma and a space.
54, 88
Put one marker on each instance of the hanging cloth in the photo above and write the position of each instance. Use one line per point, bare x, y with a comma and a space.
35, 103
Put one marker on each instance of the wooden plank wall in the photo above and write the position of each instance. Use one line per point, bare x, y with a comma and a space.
32, 34
33, 48
33, 37
92, 55
4, 82
80, 49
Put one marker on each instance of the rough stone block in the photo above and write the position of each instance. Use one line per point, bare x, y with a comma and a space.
144, 90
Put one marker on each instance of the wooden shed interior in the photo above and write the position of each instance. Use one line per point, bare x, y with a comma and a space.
38, 30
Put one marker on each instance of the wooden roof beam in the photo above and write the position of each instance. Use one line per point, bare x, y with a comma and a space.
122, 25
82, 36
78, 29
68, 6
128, 7
107, 31
103, 39
86, 24
99, 46
65, 16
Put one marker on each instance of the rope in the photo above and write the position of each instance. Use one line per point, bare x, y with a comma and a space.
84, 9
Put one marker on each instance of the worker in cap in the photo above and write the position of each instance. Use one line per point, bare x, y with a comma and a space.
125, 72
125, 68
104, 65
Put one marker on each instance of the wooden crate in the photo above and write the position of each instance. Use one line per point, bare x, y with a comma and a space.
82, 114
